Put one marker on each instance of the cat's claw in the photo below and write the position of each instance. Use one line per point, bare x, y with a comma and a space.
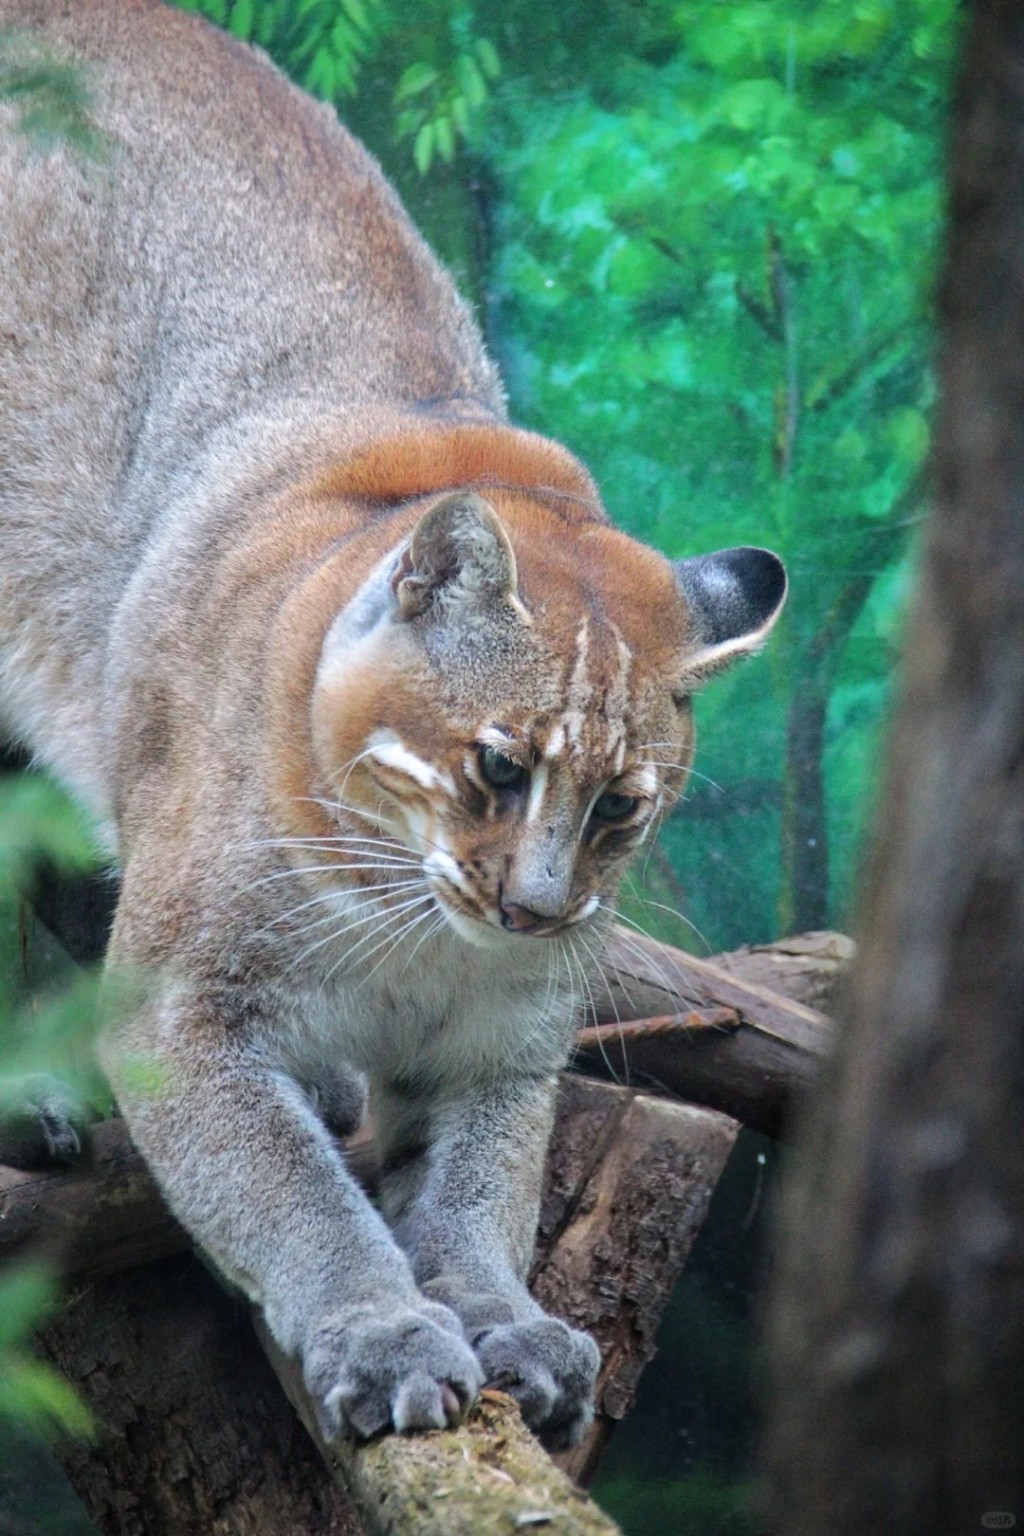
550, 1369
42, 1125
408, 1367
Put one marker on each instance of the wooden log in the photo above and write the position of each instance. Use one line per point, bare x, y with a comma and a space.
489, 1475
628, 1183
808, 968
757, 1069
623, 1164
194, 1436
197, 1437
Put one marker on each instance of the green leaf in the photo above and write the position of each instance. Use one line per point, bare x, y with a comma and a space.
265, 24
413, 80
444, 139
753, 105
409, 121
240, 24
27, 1296
423, 148
37, 818
320, 75
34, 1395
356, 13
459, 108
907, 430
471, 80
488, 56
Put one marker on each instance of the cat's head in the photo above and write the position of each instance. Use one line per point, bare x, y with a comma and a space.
508, 698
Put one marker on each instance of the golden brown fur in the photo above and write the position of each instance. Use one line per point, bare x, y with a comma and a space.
368, 697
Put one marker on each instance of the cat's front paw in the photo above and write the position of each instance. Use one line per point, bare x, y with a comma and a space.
408, 1367
550, 1369
42, 1124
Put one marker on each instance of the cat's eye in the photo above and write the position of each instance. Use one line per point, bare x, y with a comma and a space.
613, 807
500, 770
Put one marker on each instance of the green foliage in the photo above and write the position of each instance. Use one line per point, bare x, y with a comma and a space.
713, 280
33, 1395
47, 1032
443, 71
38, 820
439, 102
321, 43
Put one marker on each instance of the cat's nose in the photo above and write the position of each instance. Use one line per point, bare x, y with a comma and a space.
519, 919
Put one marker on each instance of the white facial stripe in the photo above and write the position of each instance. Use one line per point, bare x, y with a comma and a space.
579, 691
388, 749
439, 861
556, 743
538, 788
618, 693
646, 781
491, 736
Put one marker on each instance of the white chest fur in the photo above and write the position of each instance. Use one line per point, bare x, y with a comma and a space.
450, 1012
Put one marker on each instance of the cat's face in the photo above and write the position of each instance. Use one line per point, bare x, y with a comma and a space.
512, 713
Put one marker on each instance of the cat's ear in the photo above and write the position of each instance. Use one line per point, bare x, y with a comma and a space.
734, 598
459, 556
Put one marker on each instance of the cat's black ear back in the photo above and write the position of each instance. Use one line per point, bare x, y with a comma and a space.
459, 554
734, 597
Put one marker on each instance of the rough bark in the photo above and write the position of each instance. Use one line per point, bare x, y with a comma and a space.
897, 1338
629, 1164
195, 1437
808, 968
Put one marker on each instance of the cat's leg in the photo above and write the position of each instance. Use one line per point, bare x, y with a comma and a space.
252, 1172
461, 1186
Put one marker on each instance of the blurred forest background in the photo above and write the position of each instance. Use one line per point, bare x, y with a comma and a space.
701, 241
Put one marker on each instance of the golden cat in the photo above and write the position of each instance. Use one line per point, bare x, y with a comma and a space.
370, 701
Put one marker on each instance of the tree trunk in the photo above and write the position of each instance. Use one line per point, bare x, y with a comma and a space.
897, 1340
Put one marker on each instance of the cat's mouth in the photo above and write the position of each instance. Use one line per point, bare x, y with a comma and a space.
500, 921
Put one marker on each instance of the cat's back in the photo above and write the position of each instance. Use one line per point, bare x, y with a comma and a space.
231, 233
215, 281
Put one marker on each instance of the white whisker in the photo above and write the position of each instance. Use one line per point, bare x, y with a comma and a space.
393, 942
347, 926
